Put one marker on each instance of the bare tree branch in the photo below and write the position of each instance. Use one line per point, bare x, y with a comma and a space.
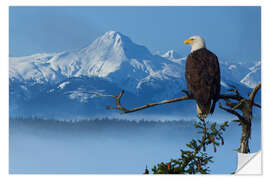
253, 94
235, 90
230, 96
257, 105
125, 110
235, 97
241, 118
238, 105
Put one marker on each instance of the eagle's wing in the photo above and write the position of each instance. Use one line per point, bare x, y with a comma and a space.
203, 77
214, 71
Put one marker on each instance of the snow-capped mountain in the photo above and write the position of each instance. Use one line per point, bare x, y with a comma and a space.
111, 63
112, 56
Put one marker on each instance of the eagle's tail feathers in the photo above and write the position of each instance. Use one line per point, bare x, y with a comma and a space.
203, 112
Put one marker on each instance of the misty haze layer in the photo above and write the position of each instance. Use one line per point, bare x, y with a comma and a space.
112, 146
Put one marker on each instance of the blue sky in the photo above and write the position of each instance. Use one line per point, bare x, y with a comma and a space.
232, 33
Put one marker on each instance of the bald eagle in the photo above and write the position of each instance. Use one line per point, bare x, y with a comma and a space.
202, 76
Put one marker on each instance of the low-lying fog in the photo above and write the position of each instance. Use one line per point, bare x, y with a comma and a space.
112, 146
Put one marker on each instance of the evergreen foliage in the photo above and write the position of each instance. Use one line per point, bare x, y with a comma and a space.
195, 160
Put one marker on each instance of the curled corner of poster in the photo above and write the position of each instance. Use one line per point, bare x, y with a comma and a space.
250, 163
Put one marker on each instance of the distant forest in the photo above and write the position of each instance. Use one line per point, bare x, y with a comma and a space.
34, 124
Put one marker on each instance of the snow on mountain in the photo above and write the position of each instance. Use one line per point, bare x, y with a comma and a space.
33, 68
256, 66
253, 77
171, 54
232, 71
174, 56
62, 85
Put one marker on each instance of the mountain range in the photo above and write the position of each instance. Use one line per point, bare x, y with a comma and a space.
60, 84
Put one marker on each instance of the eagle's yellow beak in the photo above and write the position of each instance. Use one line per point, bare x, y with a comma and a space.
187, 41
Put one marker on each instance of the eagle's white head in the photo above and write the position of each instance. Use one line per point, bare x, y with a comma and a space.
196, 42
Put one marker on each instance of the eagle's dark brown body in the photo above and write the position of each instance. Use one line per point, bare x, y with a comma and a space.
203, 79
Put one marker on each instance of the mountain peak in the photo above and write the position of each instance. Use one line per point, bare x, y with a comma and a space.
115, 36
112, 39
112, 33
120, 42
